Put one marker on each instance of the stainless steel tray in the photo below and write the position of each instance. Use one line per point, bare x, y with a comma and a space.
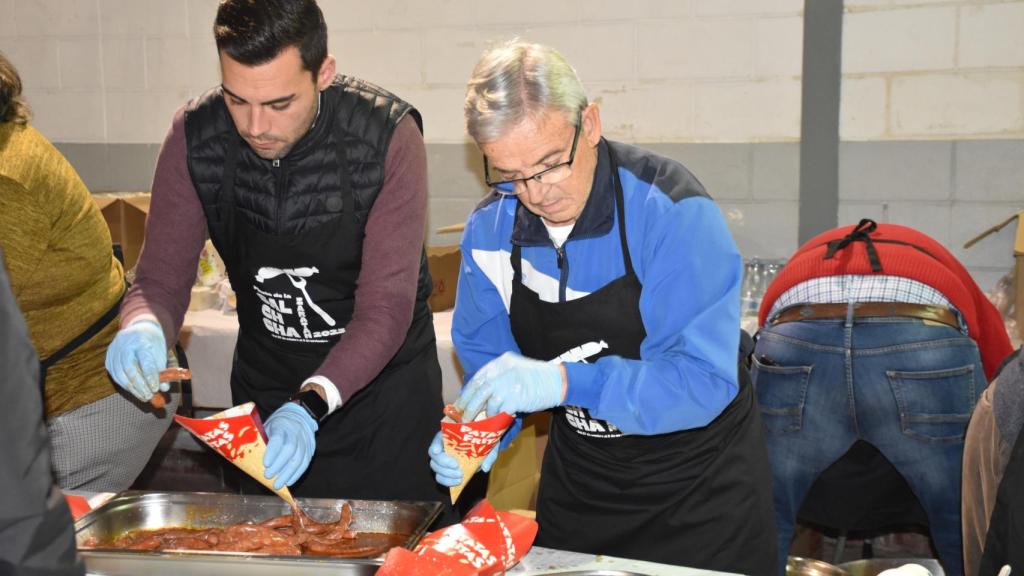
152, 510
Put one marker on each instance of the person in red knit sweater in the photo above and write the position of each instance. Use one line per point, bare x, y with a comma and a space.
874, 333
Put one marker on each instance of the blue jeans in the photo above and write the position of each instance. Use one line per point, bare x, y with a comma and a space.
903, 385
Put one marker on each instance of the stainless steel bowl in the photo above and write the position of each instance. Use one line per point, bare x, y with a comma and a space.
796, 566
877, 565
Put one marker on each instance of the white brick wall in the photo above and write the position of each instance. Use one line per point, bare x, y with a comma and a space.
168, 63
67, 116
747, 111
665, 71
44, 73
695, 48
729, 69
646, 60
598, 10
667, 111
933, 69
441, 108
80, 63
54, 17
7, 25
862, 108
918, 70
971, 219
450, 54
992, 35
124, 62
204, 66
134, 17
944, 105
932, 218
763, 229
141, 116
371, 55
899, 40
747, 7
778, 46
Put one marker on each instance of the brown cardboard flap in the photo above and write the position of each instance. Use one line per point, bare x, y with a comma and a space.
451, 228
1018, 243
125, 213
444, 263
515, 476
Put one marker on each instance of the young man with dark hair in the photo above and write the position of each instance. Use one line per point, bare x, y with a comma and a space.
312, 187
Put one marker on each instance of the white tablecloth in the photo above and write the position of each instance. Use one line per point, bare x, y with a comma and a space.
208, 337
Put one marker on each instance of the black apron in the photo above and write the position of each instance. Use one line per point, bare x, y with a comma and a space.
295, 296
699, 498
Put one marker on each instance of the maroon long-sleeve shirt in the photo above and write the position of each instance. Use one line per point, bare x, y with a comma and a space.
386, 291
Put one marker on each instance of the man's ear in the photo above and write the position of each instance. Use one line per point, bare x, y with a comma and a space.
591, 119
325, 75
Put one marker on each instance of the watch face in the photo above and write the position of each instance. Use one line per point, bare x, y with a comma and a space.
313, 403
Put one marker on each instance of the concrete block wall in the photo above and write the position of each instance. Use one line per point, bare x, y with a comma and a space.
709, 81
933, 121
932, 114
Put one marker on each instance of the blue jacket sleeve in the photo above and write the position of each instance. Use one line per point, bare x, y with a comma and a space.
481, 330
691, 271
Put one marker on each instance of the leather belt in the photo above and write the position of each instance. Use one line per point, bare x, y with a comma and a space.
869, 310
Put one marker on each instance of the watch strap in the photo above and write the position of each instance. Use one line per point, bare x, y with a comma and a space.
313, 404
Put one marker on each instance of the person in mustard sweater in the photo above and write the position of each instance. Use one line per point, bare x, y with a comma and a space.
68, 285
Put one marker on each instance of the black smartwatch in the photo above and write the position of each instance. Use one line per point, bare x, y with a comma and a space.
311, 401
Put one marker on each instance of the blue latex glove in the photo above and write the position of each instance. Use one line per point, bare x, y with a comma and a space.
446, 469
136, 357
291, 440
511, 383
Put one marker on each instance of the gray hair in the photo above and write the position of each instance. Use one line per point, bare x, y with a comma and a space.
516, 80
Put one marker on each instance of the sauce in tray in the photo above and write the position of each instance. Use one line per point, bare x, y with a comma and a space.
289, 535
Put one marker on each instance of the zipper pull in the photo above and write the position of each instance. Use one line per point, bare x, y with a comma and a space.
560, 252
276, 162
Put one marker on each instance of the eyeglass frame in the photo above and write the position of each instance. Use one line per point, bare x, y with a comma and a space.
536, 177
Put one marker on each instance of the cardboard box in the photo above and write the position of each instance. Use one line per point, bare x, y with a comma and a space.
1018, 254
515, 476
125, 213
444, 263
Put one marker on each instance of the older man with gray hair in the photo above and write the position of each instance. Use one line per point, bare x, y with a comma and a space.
600, 282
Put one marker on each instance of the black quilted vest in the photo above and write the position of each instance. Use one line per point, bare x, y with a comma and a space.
346, 148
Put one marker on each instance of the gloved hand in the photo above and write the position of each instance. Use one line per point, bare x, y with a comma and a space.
136, 357
511, 383
446, 469
291, 440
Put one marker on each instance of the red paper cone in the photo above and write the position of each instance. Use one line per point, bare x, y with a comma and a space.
470, 442
236, 434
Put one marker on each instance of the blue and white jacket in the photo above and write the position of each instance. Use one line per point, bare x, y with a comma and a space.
685, 259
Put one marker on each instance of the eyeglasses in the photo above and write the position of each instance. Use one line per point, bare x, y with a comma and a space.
552, 175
